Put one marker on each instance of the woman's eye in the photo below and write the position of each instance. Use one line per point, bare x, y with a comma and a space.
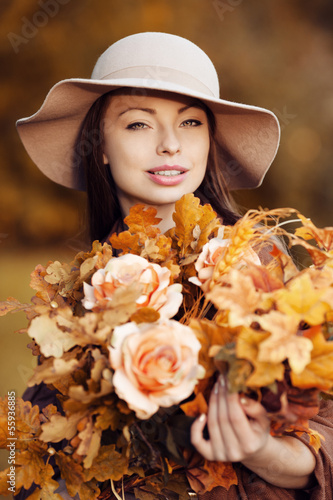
136, 126
191, 123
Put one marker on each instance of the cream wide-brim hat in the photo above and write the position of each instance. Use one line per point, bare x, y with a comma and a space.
158, 61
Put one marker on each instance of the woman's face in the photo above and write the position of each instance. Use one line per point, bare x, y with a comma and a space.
156, 145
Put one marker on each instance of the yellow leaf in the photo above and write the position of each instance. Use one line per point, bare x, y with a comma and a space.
323, 237
264, 373
284, 341
302, 300
209, 334
240, 297
319, 372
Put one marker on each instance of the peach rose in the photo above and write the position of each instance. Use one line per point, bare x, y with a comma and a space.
210, 255
156, 364
127, 269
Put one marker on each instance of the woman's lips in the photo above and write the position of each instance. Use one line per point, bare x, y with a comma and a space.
168, 175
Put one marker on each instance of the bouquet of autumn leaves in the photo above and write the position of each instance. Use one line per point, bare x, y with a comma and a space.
133, 344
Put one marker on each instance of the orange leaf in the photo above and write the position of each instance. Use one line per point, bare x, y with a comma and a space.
190, 214
203, 475
195, 407
142, 220
126, 242
222, 473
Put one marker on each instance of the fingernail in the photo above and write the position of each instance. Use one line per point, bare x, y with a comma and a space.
202, 418
243, 400
216, 388
222, 381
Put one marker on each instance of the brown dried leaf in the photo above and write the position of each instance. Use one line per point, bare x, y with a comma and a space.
74, 475
29, 467
45, 291
12, 305
50, 335
109, 464
51, 370
60, 427
145, 315
47, 486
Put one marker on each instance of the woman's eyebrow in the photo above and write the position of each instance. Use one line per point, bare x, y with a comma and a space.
189, 106
147, 110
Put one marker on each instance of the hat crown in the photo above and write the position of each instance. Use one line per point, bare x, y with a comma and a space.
159, 57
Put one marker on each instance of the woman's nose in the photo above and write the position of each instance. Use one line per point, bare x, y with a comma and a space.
168, 143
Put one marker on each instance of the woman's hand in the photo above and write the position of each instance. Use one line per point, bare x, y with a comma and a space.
239, 432
238, 427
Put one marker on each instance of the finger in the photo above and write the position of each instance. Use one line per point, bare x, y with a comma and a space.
217, 414
224, 440
255, 410
202, 445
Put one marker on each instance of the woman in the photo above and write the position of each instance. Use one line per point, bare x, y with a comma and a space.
148, 127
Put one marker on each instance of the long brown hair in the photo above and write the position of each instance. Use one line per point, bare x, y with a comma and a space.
104, 210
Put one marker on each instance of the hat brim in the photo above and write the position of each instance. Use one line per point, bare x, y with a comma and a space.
249, 134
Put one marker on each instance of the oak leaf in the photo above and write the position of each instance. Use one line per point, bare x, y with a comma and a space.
127, 242
142, 219
12, 305
46, 486
60, 427
109, 464
29, 467
45, 291
189, 214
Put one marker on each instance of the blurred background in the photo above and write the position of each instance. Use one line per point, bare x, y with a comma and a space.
276, 54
